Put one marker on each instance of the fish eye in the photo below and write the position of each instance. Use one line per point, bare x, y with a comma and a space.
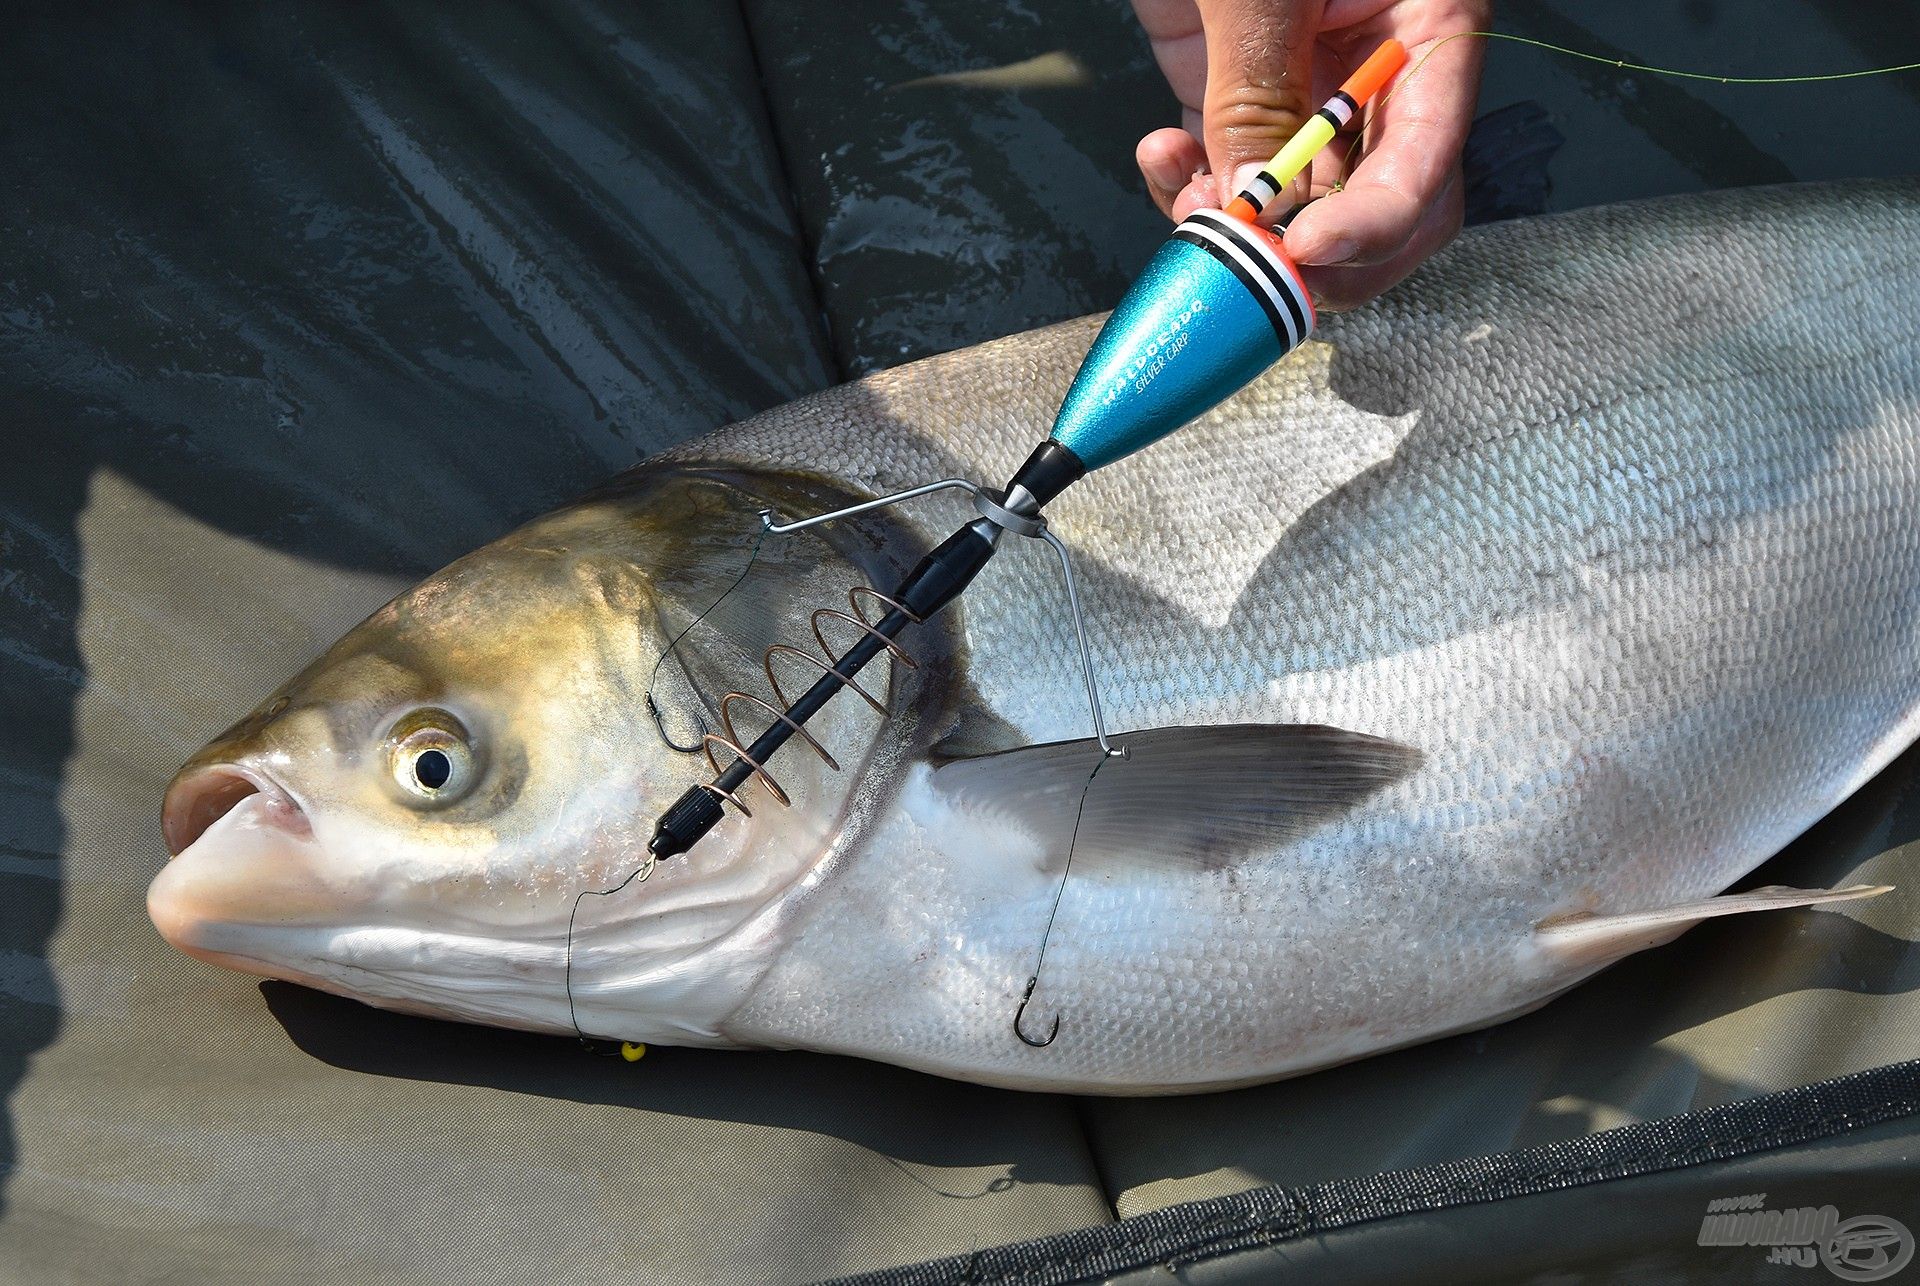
431, 757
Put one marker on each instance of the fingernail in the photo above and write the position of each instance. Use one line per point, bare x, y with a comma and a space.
1164, 173
1243, 177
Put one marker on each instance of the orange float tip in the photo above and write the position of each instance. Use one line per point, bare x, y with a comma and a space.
1241, 209
1375, 72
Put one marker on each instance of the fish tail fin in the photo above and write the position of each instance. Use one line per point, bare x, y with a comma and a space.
1587, 939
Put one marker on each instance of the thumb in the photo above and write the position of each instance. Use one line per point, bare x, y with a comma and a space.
1259, 82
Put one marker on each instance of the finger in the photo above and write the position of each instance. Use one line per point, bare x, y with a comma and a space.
1259, 82
1167, 160
1341, 287
1416, 138
1173, 28
1203, 193
1324, 176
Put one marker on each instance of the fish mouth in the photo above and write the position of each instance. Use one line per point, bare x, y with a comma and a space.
199, 797
242, 860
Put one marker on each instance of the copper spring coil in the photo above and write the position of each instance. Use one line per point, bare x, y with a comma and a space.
730, 737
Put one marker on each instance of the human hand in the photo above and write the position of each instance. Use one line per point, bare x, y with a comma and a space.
1248, 73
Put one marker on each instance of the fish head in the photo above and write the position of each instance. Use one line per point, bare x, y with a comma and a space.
414, 819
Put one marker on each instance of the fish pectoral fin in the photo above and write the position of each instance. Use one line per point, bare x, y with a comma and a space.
1186, 796
1588, 939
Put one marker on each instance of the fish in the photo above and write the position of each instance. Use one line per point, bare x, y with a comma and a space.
1482, 643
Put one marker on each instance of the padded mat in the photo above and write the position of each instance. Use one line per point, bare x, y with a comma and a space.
962, 171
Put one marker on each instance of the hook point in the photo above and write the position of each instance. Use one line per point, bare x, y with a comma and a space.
1021, 1013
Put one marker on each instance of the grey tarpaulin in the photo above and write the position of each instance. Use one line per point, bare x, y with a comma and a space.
300, 301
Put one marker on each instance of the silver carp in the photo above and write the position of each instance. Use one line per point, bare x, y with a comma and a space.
1479, 645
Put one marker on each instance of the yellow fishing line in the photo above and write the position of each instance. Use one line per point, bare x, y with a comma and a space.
1623, 65
1657, 71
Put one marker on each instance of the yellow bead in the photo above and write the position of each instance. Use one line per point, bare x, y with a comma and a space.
632, 1051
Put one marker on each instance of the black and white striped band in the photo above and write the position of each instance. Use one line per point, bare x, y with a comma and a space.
1339, 109
1267, 277
1260, 191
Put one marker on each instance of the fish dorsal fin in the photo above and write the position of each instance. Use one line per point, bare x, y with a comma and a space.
1588, 939
1185, 797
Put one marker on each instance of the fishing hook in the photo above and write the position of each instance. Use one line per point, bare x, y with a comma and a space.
1021, 1012
1046, 935
660, 726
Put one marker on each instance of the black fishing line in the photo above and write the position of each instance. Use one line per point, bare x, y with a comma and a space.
1046, 935
998, 1184
640, 873
673, 649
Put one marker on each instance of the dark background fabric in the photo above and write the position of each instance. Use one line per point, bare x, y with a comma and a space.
300, 301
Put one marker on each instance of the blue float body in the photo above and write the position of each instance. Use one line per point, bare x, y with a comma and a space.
1188, 335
